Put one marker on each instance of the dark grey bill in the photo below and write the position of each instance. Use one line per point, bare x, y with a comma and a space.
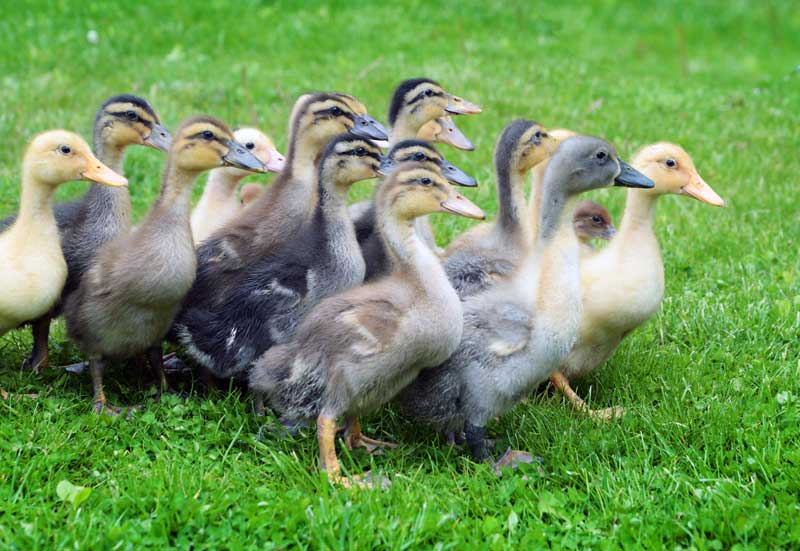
240, 157
367, 127
457, 176
159, 138
630, 177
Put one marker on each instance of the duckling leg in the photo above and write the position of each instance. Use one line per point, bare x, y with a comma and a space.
39, 358
155, 359
476, 441
326, 438
354, 438
97, 367
561, 382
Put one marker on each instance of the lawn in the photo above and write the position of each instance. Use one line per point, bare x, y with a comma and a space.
708, 456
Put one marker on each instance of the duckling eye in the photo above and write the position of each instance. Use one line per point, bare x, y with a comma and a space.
131, 115
425, 181
336, 111
428, 92
419, 156
208, 135
596, 219
601, 155
360, 151
250, 145
538, 134
671, 163
65, 150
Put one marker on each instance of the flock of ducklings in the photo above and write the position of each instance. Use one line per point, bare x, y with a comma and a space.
327, 312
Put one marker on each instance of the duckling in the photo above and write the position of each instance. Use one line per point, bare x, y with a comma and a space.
281, 212
124, 305
274, 293
418, 101
488, 252
103, 212
517, 331
219, 204
444, 130
372, 247
592, 221
537, 177
33, 267
250, 192
355, 350
622, 285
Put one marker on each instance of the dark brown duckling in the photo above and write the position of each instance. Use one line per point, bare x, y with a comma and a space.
592, 221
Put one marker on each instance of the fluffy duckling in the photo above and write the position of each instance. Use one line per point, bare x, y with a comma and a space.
33, 267
281, 212
124, 305
103, 212
250, 192
592, 221
444, 130
219, 203
275, 292
488, 252
355, 350
517, 331
418, 151
623, 284
418, 101
558, 135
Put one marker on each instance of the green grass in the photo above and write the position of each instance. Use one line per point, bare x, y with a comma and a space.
709, 456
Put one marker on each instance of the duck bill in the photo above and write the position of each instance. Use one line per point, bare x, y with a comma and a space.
383, 144
367, 127
452, 135
100, 173
276, 162
460, 205
239, 157
387, 166
608, 234
701, 191
460, 106
630, 177
159, 138
457, 176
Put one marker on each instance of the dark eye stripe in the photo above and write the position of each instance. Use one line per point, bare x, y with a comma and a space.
141, 119
352, 152
199, 135
421, 96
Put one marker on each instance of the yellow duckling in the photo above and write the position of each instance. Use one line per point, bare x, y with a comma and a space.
32, 266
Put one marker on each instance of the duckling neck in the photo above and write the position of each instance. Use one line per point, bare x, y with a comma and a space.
109, 206
535, 206
301, 167
405, 128
221, 188
36, 206
511, 196
176, 193
408, 254
640, 210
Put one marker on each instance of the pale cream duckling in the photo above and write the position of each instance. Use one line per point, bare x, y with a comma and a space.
32, 265
250, 192
623, 284
219, 203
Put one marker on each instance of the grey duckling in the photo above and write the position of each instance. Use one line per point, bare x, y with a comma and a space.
357, 349
125, 303
85, 224
517, 331
488, 252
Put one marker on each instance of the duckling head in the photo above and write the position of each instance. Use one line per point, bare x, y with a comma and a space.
129, 120
416, 189
316, 118
422, 100
59, 156
349, 158
444, 130
521, 145
423, 152
202, 143
673, 171
582, 163
592, 221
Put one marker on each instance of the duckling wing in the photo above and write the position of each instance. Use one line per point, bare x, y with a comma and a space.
470, 274
504, 328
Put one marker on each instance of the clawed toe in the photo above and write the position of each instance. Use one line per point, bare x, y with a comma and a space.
608, 414
514, 458
111, 410
372, 446
366, 481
